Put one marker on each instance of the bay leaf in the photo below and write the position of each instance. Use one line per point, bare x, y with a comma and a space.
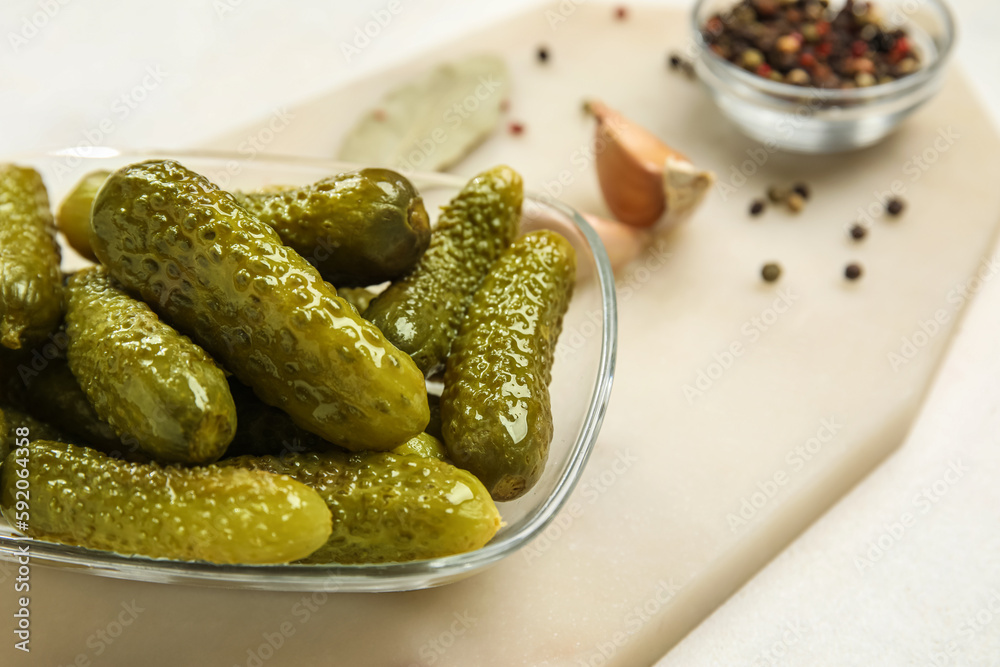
433, 122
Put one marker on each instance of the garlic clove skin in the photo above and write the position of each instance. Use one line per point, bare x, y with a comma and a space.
641, 177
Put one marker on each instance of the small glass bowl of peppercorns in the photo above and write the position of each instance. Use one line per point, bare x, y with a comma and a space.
821, 76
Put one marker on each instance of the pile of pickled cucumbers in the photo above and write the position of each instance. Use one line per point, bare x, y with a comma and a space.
241, 377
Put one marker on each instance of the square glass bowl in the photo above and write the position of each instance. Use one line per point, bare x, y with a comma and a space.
580, 389
805, 119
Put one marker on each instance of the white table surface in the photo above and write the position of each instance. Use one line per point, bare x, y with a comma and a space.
175, 74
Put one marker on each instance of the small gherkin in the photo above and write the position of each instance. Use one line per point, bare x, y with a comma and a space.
357, 228
422, 312
223, 277
388, 507
84, 498
143, 378
73, 216
495, 410
30, 281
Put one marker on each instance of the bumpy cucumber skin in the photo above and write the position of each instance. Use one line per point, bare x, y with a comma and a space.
422, 312
425, 445
30, 281
73, 216
84, 498
358, 228
495, 409
262, 429
389, 508
223, 277
146, 380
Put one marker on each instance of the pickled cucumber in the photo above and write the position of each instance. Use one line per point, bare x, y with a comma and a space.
389, 508
358, 228
495, 409
38, 429
262, 429
146, 380
82, 497
73, 216
30, 281
220, 275
421, 313
424, 445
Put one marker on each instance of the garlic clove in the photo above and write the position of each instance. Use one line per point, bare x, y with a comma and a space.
622, 242
641, 177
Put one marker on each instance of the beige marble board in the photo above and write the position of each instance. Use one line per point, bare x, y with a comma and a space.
648, 545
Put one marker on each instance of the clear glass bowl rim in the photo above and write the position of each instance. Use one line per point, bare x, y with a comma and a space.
790, 93
350, 578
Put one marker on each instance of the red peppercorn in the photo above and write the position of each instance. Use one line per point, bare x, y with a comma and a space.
621, 13
901, 47
379, 114
516, 128
859, 48
714, 25
807, 60
824, 49
764, 70
822, 28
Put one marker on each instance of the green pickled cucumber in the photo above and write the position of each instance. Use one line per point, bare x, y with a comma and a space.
223, 277
434, 425
84, 498
359, 297
425, 445
262, 429
421, 314
389, 508
30, 281
495, 409
73, 216
146, 380
39, 430
358, 228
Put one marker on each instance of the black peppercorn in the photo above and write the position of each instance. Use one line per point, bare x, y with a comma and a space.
757, 207
770, 272
802, 190
543, 54
853, 271
858, 232
894, 207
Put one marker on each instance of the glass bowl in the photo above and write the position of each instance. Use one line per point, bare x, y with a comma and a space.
814, 120
581, 386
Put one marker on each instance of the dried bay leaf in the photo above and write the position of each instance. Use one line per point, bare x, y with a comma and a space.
433, 122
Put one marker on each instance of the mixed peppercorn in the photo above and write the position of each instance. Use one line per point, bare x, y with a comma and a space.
805, 43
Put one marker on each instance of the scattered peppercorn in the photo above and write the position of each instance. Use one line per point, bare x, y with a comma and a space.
802, 190
504, 105
795, 202
542, 54
894, 207
858, 232
806, 43
770, 272
675, 61
516, 128
621, 13
679, 64
853, 271
776, 194
757, 207
378, 114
